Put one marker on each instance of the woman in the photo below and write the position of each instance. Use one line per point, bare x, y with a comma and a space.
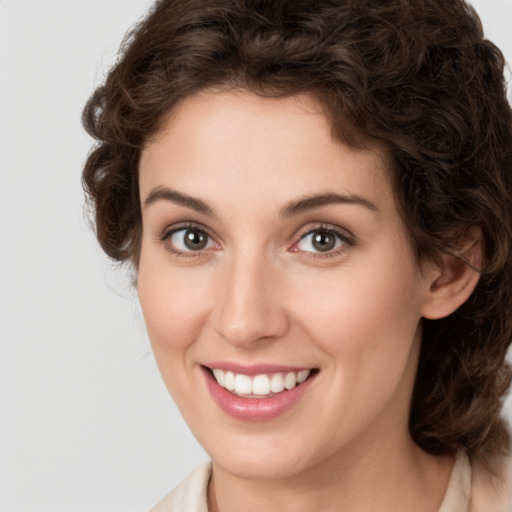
315, 197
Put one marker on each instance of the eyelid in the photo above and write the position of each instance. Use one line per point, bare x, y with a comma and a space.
343, 234
168, 231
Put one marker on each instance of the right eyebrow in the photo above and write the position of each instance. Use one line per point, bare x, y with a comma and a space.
162, 193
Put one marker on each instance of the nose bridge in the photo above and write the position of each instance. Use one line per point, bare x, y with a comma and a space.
249, 306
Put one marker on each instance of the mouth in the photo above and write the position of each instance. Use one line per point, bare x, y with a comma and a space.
263, 385
258, 392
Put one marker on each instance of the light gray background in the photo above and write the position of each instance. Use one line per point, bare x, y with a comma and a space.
85, 422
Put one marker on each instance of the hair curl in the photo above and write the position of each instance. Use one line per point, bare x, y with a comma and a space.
415, 77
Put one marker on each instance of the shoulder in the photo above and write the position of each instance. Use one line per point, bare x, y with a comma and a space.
475, 487
491, 488
190, 495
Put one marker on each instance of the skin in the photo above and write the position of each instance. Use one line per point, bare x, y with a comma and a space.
261, 293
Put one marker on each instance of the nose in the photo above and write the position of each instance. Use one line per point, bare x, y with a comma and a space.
249, 307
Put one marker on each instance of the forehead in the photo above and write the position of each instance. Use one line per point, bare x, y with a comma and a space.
217, 142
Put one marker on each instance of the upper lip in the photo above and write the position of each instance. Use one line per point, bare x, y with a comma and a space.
254, 369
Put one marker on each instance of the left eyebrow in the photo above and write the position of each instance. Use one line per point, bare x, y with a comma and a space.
309, 203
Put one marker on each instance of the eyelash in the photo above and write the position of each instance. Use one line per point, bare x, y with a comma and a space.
347, 240
166, 236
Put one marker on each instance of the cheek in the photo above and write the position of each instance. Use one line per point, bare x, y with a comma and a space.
174, 311
366, 322
368, 329
173, 303
358, 304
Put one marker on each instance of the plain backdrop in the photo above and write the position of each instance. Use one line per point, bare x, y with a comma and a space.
86, 424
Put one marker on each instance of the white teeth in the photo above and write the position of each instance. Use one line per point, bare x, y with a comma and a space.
277, 383
260, 385
290, 380
220, 376
243, 384
302, 376
229, 381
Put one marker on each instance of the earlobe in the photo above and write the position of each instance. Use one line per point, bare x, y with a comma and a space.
454, 279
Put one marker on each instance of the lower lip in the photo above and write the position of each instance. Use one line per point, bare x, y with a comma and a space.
255, 409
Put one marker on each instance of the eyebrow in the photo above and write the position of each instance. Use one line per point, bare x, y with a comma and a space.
295, 207
309, 203
166, 194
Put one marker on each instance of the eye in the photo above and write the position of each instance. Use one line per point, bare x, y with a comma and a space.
321, 241
189, 240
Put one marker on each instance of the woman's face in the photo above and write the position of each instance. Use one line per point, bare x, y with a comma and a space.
271, 254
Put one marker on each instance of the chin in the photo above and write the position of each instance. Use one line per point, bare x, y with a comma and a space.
259, 458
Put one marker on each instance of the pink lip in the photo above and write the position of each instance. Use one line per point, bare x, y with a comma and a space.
255, 409
255, 369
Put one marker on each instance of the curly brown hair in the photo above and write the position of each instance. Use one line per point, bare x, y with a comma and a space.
414, 77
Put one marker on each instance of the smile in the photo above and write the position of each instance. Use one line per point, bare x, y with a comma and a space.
256, 394
259, 386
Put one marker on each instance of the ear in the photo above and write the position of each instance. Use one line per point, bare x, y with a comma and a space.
453, 280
